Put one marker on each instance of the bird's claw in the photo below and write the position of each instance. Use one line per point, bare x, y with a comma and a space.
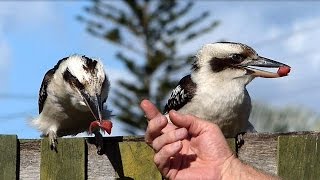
53, 145
53, 140
239, 140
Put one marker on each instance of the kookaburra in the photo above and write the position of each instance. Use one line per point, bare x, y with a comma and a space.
72, 97
216, 88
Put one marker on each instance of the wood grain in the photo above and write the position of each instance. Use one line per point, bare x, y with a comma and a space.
131, 158
8, 157
123, 158
259, 150
299, 157
137, 161
69, 162
30, 150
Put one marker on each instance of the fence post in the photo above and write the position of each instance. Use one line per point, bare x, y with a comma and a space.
68, 163
8, 157
298, 157
137, 161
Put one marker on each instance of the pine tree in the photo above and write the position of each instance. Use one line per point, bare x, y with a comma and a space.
151, 31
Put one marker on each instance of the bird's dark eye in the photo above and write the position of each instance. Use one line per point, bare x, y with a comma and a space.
237, 57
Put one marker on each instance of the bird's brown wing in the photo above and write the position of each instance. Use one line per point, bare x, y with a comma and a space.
46, 79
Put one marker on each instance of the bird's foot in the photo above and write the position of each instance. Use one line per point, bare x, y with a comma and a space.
53, 140
105, 125
240, 140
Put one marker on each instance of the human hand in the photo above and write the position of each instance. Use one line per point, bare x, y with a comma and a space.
190, 148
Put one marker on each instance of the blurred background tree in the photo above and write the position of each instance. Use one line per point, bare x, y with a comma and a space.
150, 32
267, 118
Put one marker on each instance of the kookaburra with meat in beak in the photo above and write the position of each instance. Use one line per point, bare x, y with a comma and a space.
216, 88
71, 99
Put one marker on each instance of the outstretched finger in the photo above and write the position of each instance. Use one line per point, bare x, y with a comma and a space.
149, 109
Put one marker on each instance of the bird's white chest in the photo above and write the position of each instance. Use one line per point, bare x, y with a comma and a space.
64, 111
62, 93
228, 106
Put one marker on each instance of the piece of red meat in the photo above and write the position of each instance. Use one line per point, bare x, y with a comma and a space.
105, 125
283, 71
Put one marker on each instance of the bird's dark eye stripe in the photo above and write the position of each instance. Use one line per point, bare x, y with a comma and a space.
72, 80
237, 57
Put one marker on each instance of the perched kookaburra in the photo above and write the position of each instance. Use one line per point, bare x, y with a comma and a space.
216, 88
71, 99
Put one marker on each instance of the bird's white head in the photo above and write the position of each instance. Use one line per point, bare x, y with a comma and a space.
233, 61
86, 78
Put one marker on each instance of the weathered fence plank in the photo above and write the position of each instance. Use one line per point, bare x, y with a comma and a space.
69, 162
107, 166
260, 151
8, 157
232, 144
296, 157
137, 161
124, 158
299, 157
30, 150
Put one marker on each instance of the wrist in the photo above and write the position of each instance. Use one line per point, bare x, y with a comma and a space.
235, 169
230, 168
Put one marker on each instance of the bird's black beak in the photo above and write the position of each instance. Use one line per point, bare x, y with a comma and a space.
266, 63
94, 103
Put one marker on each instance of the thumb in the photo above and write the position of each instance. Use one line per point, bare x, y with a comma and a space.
193, 124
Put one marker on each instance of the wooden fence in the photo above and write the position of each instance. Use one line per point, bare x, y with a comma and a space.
291, 156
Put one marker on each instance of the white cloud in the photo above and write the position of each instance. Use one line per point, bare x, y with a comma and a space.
25, 15
237, 25
4, 56
4, 63
305, 35
17, 16
315, 61
296, 43
118, 74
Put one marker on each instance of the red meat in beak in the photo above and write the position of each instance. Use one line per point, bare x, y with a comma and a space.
283, 69
105, 125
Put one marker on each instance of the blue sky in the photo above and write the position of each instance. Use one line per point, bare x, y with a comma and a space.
35, 35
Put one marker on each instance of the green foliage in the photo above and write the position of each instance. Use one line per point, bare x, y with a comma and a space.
290, 118
151, 30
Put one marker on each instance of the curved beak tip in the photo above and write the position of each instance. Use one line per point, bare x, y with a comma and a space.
283, 69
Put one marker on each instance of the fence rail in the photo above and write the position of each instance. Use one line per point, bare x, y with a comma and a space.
289, 155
